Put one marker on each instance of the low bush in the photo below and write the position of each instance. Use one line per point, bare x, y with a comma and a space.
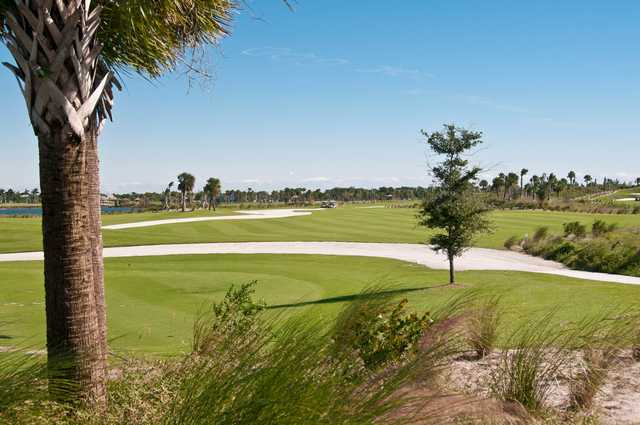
611, 251
601, 228
575, 229
540, 234
511, 242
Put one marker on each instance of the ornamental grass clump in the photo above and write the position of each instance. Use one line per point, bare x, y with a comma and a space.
482, 326
603, 340
527, 369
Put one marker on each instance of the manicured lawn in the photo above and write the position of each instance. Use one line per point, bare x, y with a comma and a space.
152, 300
341, 224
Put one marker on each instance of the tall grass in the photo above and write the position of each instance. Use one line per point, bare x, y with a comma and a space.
603, 338
527, 369
301, 371
482, 326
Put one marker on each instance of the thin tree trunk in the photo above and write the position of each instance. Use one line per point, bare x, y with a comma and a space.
74, 337
184, 201
452, 272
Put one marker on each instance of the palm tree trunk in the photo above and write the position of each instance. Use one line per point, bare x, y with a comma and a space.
95, 221
184, 201
74, 337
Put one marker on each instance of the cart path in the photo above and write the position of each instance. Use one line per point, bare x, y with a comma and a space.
243, 215
473, 259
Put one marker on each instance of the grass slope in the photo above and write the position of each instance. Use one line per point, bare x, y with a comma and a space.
342, 224
152, 300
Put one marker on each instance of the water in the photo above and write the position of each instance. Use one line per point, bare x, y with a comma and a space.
38, 211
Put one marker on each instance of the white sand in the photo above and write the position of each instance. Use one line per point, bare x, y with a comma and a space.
244, 215
473, 259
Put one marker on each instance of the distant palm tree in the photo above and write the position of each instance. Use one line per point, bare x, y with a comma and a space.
167, 196
511, 182
572, 177
212, 191
497, 184
523, 173
587, 179
186, 182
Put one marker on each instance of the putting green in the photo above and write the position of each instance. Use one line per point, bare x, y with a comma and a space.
152, 301
350, 224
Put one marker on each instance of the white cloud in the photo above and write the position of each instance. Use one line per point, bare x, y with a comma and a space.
316, 179
290, 55
396, 71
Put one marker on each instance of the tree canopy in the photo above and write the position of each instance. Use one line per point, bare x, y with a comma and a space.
453, 209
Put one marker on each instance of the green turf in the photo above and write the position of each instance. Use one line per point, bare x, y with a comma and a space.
341, 224
152, 300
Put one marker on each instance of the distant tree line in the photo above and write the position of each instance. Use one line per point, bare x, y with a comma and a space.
211, 195
512, 186
12, 196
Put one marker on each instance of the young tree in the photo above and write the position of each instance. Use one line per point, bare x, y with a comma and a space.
212, 191
453, 207
186, 182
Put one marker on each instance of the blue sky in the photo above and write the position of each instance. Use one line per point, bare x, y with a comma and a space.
335, 93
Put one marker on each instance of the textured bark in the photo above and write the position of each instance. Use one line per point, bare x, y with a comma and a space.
95, 235
68, 94
74, 337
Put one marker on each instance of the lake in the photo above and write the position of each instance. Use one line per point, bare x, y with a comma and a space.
38, 211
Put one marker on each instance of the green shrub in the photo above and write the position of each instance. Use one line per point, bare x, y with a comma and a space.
236, 314
513, 240
575, 228
601, 255
540, 234
601, 228
561, 251
389, 335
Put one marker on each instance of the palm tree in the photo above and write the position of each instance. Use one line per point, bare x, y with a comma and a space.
572, 177
587, 179
186, 182
523, 173
66, 55
167, 196
212, 191
497, 184
511, 182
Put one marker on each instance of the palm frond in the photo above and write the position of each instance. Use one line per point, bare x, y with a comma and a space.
151, 37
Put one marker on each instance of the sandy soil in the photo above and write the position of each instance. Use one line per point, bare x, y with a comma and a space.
473, 259
617, 403
243, 215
